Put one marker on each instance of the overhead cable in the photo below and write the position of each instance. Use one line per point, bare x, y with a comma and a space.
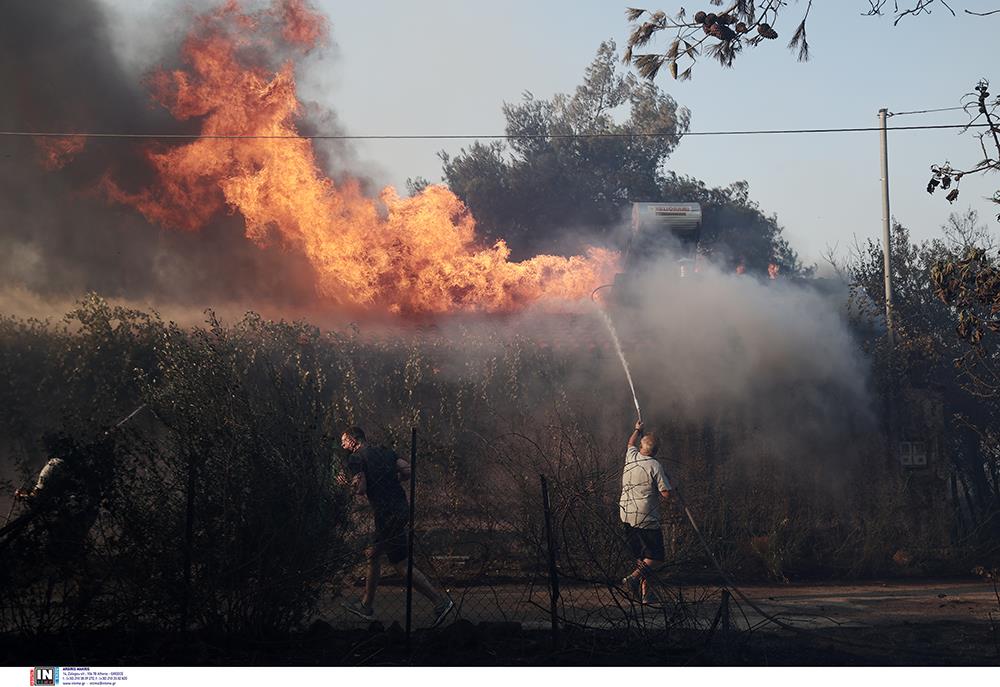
403, 137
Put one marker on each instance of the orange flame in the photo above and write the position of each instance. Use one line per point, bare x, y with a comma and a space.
300, 26
402, 255
57, 152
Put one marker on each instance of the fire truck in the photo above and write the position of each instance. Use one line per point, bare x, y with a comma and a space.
658, 232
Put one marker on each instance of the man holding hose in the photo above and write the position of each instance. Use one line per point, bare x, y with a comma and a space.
643, 485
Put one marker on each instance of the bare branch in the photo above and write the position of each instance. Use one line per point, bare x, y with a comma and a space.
921, 7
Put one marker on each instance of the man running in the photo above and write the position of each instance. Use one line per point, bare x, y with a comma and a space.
376, 473
643, 485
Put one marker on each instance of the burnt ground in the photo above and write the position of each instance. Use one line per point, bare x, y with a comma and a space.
949, 622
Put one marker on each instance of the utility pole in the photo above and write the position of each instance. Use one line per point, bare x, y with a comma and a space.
887, 272
886, 238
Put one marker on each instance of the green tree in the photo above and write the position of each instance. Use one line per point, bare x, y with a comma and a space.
570, 162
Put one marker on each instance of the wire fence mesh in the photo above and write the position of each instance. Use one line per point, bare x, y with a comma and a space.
517, 547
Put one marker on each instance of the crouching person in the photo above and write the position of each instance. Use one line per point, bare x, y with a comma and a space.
643, 485
376, 474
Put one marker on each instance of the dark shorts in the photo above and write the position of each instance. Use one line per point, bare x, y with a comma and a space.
645, 543
390, 535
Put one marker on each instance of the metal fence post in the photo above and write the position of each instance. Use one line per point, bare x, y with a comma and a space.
188, 542
409, 542
553, 572
726, 624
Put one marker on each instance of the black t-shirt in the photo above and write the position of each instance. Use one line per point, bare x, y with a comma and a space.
385, 493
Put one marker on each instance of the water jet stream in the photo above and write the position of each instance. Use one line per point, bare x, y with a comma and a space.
618, 348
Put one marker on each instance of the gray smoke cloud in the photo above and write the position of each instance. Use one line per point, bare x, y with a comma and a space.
770, 367
713, 338
727, 368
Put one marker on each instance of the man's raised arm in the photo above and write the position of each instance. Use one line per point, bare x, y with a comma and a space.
633, 440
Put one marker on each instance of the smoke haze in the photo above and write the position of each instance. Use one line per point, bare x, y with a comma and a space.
770, 363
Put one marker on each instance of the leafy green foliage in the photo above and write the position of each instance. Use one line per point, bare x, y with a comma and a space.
570, 163
548, 190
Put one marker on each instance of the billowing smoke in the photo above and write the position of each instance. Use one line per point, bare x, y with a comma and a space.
713, 338
59, 237
728, 368
768, 365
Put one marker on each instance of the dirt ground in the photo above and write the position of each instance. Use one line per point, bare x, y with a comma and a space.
928, 622
869, 604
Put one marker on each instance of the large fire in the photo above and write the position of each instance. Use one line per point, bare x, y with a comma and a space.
58, 151
404, 255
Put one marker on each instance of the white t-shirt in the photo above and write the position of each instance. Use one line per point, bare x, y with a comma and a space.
642, 481
51, 474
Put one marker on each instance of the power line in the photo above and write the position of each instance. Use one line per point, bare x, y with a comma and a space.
414, 137
940, 109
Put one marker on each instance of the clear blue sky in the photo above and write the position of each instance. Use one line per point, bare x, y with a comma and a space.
446, 66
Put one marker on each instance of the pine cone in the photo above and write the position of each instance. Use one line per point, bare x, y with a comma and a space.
726, 19
766, 31
720, 31
711, 18
699, 17
741, 28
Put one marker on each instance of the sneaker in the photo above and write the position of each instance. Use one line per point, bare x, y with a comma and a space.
633, 585
360, 610
443, 610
